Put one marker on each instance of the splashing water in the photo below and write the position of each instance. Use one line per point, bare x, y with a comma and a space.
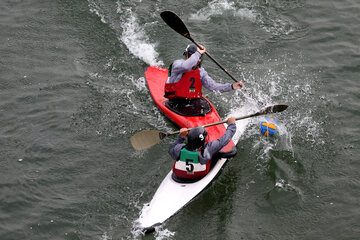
131, 32
161, 233
135, 38
218, 7
95, 8
247, 11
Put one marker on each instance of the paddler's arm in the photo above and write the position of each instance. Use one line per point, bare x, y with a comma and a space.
176, 147
210, 83
179, 67
182, 66
216, 145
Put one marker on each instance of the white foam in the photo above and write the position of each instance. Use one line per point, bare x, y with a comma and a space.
94, 8
271, 24
218, 7
140, 84
133, 34
135, 38
245, 13
105, 236
161, 233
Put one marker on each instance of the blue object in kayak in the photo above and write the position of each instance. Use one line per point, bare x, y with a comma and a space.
268, 127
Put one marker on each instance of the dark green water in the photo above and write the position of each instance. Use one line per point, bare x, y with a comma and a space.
72, 93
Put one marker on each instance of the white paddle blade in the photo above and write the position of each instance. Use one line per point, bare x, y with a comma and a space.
145, 139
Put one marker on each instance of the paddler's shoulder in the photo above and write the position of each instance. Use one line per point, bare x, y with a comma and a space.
178, 61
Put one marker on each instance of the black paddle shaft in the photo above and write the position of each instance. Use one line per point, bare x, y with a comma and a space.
207, 54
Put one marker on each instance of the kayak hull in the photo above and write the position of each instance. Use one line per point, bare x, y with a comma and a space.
172, 196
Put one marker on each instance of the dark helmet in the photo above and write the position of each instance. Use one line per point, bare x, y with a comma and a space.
190, 49
196, 138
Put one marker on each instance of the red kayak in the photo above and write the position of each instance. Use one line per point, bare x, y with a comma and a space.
156, 78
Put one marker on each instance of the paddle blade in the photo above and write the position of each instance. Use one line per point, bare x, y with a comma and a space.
274, 109
146, 139
175, 23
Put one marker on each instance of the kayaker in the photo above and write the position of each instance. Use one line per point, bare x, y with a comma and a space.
193, 159
186, 77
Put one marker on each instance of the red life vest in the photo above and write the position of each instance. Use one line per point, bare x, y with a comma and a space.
188, 165
189, 86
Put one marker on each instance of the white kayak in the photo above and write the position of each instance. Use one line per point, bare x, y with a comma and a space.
172, 196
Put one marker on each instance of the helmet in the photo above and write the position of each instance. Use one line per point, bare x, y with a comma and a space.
190, 49
196, 138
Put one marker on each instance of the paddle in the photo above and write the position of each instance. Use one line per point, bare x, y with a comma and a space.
148, 138
178, 25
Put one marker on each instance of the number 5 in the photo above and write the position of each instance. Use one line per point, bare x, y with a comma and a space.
190, 167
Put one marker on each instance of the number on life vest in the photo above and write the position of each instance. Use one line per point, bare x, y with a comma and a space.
192, 87
190, 166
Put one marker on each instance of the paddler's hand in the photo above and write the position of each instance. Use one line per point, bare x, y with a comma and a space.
238, 85
201, 49
184, 132
230, 120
